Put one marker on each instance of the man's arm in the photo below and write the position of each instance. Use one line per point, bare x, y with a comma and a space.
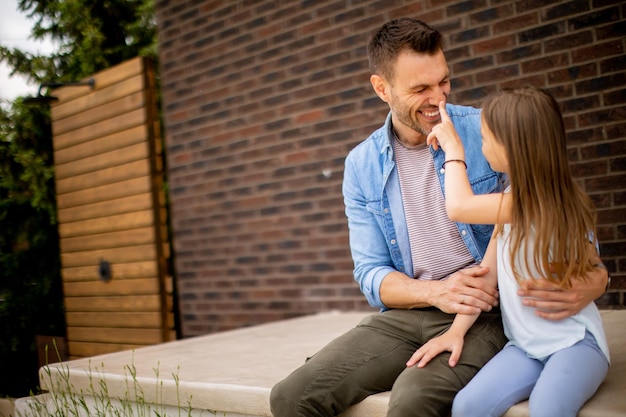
464, 292
379, 279
553, 303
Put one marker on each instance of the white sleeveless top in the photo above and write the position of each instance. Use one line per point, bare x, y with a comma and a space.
539, 337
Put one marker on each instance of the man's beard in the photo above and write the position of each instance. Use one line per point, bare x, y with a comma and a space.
414, 124
403, 113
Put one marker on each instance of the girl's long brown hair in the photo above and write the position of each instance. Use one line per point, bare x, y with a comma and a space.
548, 204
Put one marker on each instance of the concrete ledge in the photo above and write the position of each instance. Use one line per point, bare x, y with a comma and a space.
6, 407
232, 373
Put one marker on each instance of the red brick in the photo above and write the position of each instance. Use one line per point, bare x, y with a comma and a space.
494, 44
545, 62
597, 51
516, 23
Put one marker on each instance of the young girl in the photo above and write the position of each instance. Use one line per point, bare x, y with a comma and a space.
544, 224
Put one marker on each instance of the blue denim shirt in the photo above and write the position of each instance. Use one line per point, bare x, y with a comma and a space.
379, 239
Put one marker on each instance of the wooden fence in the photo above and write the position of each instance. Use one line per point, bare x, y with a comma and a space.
111, 211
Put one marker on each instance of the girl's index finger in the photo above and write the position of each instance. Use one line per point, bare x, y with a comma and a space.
443, 112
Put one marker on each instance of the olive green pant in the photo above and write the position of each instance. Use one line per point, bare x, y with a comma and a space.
372, 358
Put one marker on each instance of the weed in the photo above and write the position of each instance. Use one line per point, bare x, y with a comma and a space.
63, 399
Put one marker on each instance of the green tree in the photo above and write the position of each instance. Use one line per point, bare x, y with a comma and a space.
30, 285
89, 36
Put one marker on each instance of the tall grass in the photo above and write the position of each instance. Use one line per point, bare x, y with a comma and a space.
63, 399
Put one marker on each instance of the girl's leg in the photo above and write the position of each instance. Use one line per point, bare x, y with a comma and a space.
570, 377
505, 380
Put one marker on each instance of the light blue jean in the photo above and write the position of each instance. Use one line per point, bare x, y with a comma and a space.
556, 386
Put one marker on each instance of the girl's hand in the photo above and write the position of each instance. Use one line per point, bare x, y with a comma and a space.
447, 342
444, 135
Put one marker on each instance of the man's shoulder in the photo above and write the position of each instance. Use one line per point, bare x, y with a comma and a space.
457, 110
466, 120
377, 140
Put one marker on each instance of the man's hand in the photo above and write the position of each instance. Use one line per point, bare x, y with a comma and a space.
447, 342
464, 292
553, 303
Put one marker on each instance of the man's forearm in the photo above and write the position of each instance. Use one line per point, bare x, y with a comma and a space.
464, 292
398, 290
601, 281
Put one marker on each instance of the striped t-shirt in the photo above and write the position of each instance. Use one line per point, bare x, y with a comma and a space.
437, 248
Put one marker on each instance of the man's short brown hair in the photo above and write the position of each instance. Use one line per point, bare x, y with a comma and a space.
396, 36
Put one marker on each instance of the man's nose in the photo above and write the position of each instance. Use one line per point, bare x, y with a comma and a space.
438, 95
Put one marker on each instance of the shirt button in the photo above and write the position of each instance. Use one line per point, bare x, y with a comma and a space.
393, 241
442, 171
463, 232
386, 210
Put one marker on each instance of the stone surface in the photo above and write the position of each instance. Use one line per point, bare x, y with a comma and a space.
233, 372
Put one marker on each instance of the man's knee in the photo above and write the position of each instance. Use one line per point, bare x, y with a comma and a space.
422, 392
295, 396
417, 404
281, 404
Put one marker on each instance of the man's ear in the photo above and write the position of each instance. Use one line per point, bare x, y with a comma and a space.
380, 87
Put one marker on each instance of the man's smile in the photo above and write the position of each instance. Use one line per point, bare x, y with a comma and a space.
432, 114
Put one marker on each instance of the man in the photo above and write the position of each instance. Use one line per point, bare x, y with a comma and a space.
410, 259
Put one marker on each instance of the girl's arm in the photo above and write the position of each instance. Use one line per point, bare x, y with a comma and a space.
452, 339
549, 301
461, 203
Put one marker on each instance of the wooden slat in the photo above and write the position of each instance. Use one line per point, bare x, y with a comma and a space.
105, 176
114, 303
80, 107
103, 79
114, 319
96, 130
169, 301
166, 250
106, 208
119, 335
128, 237
137, 152
85, 349
120, 271
136, 134
140, 286
122, 255
169, 285
98, 114
104, 193
164, 231
170, 320
109, 224
171, 335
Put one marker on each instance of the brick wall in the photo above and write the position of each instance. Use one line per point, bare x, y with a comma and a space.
263, 99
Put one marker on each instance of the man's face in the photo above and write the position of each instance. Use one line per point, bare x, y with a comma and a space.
419, 83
